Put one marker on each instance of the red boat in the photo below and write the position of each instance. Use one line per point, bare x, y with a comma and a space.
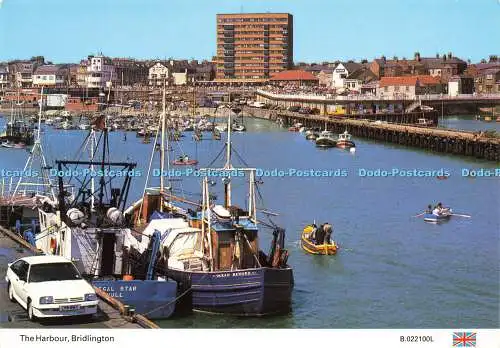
295, 128
185, 161
344, 141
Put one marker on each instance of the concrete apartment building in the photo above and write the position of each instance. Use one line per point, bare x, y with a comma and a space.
251, 47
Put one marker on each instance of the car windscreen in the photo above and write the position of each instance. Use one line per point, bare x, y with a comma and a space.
47, 272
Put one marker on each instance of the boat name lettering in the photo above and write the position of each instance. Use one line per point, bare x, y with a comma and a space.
236, 274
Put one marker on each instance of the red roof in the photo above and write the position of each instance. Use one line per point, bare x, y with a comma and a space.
294, 75
409, 80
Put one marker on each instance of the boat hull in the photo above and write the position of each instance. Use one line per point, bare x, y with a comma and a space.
345, 144
185, 163
320, 249
152, 298
325, 142
436, 219
247, 292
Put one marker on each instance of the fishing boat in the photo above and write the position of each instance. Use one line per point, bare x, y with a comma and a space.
344, 141
85, 224
317, 249
213, 251
445, 215
326, 139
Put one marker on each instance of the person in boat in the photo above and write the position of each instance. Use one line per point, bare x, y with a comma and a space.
436, 211
312, 235
186, 158
429, 209
320, 235
328, 233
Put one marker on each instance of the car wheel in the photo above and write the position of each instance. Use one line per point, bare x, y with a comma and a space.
31, 315
11, 293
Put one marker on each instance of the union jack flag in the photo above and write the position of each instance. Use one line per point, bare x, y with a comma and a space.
464, 339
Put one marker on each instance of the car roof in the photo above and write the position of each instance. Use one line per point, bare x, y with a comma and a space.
34, 260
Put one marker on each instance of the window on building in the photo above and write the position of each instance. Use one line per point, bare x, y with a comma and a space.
396, 88
407, 88
386, 89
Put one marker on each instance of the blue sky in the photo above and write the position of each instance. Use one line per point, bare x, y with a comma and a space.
68, 30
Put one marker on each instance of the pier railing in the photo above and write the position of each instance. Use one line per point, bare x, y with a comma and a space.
321, 97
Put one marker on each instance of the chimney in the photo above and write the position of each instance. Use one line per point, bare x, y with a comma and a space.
417, 56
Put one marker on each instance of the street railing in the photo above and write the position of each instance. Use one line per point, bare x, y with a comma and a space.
325, 97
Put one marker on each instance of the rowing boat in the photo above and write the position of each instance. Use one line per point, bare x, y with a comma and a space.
311, 248
444, 216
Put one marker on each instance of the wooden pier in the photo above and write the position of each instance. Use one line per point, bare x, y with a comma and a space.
474, 144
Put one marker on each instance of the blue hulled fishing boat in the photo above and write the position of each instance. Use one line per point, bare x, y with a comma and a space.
213, 250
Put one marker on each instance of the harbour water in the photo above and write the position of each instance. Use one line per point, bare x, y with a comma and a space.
393, 270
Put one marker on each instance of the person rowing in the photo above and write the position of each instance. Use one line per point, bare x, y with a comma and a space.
429, 209
438, 209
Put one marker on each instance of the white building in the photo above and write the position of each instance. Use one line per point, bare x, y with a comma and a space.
158, 73
341, 72
180, 78
4, 76
100, 71
50, 76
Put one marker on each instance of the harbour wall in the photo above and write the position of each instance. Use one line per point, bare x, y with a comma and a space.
473, 144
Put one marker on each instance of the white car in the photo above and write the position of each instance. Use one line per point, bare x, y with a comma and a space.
50, 286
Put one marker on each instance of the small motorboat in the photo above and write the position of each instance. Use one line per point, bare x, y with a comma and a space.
445, 215
312, 134
344, 141
296, 127
316, 249
184, 161
238, 127
326, 139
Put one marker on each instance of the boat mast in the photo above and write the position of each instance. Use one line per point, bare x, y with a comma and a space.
37, 150
227, 183
162, 150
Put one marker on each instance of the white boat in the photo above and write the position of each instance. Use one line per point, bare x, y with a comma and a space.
326, 139
238, 127
344, 141
221, 127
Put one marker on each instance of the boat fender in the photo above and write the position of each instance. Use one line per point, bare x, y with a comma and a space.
76, 216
